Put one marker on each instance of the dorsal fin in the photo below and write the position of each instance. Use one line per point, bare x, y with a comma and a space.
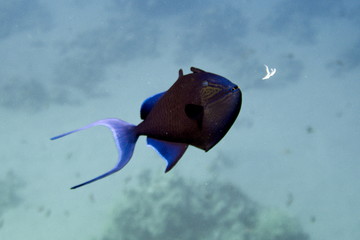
196, 70
148, 104
181, 73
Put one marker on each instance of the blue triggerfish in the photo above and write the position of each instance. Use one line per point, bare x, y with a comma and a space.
198, 110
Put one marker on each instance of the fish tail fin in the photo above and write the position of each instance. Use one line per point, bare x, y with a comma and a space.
125, 138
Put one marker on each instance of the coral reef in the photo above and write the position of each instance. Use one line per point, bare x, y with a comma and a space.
9, 188
23, 94
172, 207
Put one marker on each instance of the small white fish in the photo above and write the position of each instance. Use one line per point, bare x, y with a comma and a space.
269, 73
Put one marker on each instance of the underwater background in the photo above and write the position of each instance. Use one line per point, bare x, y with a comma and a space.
287, 170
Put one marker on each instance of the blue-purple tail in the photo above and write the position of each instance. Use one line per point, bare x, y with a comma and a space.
125, 138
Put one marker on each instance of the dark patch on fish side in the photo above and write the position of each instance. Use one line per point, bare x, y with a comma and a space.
195, 112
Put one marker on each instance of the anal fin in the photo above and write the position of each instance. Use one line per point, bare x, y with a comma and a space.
170, 151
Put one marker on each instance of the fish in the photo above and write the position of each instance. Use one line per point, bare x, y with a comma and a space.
197, 110
270, 73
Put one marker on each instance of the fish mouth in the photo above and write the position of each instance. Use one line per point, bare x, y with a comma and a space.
235, 88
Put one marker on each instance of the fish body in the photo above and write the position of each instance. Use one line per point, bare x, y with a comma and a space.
198, 110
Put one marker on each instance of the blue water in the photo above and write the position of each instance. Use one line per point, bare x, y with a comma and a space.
291, 159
